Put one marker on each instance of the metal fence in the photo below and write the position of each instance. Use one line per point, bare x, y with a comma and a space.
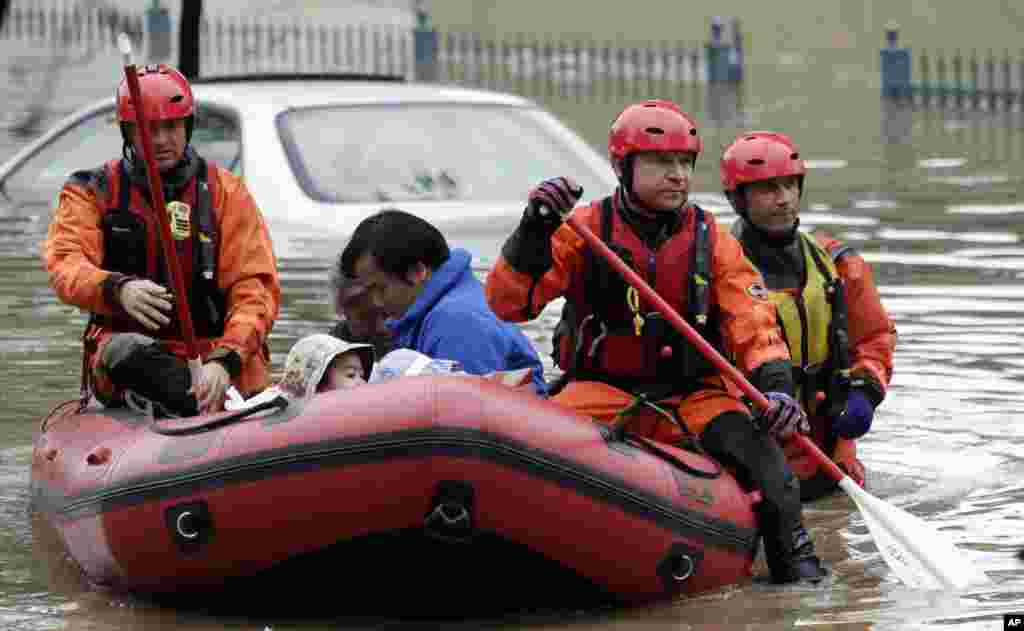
990, 81
581, 70
522, 64
987, 80
77, 27
231, 43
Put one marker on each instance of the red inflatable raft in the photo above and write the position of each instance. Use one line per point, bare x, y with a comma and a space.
433, 494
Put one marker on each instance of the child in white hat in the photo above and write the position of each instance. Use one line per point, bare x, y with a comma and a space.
320, 362
316, 363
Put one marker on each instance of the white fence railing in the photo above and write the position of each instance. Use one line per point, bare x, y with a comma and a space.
232, 44
44, 40
75, 26
229, 43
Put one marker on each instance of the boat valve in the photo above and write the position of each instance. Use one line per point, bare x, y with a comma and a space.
98, 456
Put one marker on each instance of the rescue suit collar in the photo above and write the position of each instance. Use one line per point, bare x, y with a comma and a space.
780, 260
771, 239
173, 179
654, 227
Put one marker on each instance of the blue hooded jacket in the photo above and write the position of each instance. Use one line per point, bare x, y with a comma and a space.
452, 320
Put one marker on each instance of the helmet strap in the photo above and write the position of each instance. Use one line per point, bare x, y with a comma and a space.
626, 177
738, 201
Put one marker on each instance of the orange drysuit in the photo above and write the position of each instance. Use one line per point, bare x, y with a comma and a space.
798, 274
741, 320
872, 330
245, 280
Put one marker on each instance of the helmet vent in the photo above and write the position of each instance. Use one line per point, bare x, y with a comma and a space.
794, 156
655, 130
755, 161
177, 97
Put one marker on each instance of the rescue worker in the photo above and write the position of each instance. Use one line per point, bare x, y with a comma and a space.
839, 335
104, 255
621, 356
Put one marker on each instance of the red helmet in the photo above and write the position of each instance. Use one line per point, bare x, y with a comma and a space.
760, 155
165, 91
655, 125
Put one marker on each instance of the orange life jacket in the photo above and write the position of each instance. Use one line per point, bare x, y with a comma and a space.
131, 246
607, 334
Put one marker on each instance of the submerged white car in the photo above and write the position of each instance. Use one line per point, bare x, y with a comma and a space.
320, 154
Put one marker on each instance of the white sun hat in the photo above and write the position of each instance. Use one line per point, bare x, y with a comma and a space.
309, 358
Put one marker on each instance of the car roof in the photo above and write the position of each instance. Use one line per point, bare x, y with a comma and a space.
312, 91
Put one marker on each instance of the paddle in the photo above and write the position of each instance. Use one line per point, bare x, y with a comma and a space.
917, 553
131, 75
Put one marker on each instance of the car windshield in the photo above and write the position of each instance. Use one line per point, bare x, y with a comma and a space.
430, 152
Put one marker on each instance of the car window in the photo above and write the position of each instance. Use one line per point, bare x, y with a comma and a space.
418, 152
217, 137
93, 141
86, 145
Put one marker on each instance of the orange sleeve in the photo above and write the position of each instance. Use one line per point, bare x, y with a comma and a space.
246, 269
509, 291
73, 250
749, 326
872, 331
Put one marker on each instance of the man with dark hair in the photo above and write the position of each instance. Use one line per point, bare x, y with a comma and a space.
435, 303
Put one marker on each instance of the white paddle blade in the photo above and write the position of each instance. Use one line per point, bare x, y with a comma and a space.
920, 556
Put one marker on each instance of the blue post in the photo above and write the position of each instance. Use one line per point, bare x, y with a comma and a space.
895, 67
425, 45
717, 61
158, 27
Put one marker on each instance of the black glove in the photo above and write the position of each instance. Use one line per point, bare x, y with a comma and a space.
549, 202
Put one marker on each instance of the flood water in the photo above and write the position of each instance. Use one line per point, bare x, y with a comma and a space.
934, 203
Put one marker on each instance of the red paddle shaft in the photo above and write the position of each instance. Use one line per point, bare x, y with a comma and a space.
160, 209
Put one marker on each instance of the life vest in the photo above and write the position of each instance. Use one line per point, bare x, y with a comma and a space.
131, 245
608, 333
814, 323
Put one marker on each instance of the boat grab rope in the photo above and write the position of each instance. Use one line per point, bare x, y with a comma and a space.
690, 443
278, 403
56, 411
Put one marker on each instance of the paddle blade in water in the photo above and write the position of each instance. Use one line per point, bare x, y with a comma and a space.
920, 556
